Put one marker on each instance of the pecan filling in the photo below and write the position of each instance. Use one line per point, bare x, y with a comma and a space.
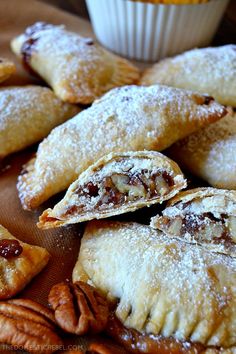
122, 188
204, 227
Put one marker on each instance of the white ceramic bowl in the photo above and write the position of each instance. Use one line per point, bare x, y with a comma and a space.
149, 32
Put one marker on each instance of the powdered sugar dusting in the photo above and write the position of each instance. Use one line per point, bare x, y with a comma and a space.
155, 276
210, 153
130, 118
28, 114
77, 68
210, 70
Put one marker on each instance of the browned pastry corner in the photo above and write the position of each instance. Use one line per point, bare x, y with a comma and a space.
27, 325
79, 308
99, 348
7, 68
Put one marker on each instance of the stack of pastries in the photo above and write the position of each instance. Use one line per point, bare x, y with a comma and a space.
170, 285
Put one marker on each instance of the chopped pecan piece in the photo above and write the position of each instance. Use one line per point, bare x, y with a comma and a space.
28, 325
79, 308
98, 348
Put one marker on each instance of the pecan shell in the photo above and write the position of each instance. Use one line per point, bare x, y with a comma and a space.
28, 325
79, 308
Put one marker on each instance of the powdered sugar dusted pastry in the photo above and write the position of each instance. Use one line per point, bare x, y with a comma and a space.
19, 263
7, 68
208, 70
210, 153
27, 115
166, 288
78, 70
117, 184
130, 118
203, 215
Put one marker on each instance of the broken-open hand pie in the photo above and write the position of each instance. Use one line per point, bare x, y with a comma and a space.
28, 114
173, 296
207, 70
7, 68
19, 263
117, 184
210, 153
129, 118
202, 215
78, 69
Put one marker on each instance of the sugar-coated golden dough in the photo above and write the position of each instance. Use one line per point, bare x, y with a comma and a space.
131, 118
78, 69
207, 70
28, 114
17, 271
163, 286
210, 153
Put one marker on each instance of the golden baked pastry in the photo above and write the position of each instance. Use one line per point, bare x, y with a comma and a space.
19, 263
207, 70
7, 68
210, 153
118, 183
28, 114
202, 215
166, 288
130, 118
78, 69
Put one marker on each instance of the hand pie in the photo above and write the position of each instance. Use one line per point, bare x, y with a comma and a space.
210, 153
203, 215
19, 263
27, 115
78, 69
211, 70
117, 184
129, 118
7, 68
166, 289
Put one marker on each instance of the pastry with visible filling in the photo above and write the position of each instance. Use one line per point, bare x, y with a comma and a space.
130, 118
202, 215
7, 68
117, 184
210, 153
170, 296
19, 263
28, 114
78, 69
207, 70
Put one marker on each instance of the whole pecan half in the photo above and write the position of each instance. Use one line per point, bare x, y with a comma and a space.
79, 308
28, 325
